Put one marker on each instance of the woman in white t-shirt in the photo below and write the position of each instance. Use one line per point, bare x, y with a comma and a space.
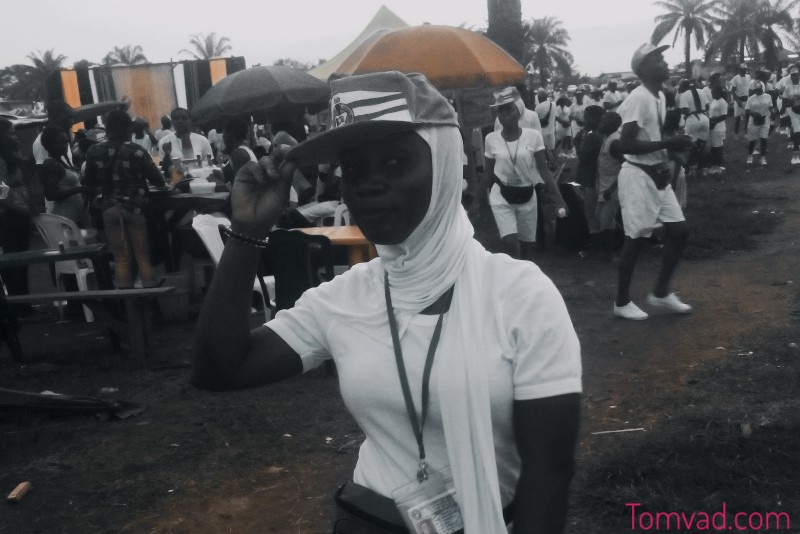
483, 341
717, 114
791, 101
757, 122
515, 163
694, 108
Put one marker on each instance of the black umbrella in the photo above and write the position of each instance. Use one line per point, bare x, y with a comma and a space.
278, 92
87, 111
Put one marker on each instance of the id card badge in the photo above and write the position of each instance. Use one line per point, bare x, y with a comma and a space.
430, 507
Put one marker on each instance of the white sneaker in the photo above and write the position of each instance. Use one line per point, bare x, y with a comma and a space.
630, 311
796, 158
671, 303
763, 161
749, 159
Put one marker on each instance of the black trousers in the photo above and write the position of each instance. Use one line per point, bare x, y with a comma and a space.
15, 236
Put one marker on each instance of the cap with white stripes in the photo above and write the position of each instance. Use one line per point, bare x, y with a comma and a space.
371, 106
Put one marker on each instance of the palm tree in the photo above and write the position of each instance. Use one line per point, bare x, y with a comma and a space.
546, 48
754, 28
687, 17
127, 55
207, 46
28, 82
505, 26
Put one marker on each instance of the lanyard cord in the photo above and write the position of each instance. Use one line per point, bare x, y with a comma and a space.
417, 423
516, 151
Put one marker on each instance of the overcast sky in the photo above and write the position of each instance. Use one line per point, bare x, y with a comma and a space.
604, 33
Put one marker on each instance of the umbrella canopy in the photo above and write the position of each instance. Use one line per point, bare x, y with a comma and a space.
451, 58
87, 111
276, 91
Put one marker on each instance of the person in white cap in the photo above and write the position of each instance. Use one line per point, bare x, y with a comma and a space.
546, 110
515, 164
482, 341
611, 98
740, 91
757, 121
527, 117
791, 104
645, 194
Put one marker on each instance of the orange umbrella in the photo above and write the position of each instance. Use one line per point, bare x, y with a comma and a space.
451, 58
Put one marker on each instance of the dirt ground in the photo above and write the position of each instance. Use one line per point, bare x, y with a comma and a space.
710, 399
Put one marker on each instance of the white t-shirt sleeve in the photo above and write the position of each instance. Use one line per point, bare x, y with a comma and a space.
634, 109
685, 99
536, 139
547, 354
205, 148
489, 145
304, 329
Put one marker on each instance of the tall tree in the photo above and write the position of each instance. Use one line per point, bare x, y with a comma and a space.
126, 55
505, 26
208, 46
687, 18
755, 28
27, 82
546, 48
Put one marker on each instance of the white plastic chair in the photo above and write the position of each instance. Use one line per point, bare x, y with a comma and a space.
56, 230
207, 227
341, 217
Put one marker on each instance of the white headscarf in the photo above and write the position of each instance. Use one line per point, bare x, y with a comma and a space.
437, 254
426, 264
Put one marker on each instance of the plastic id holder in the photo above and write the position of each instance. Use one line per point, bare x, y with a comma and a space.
430, 507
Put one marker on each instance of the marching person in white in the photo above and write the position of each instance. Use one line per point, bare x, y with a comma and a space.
694, 108
515, 164
757, 121
791, 103
576, 113
480, 343
546, 110
611, 98
717, 114
740, 91
645, 194
527, 117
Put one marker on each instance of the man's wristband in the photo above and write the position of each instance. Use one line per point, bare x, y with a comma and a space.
244, 239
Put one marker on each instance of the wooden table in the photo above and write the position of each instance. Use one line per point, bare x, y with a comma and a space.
95, 253
358, 248
169, 209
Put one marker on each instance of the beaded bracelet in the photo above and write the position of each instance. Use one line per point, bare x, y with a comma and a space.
244, 239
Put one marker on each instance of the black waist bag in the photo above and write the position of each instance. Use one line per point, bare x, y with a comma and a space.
661, 174
515, 194
376, 510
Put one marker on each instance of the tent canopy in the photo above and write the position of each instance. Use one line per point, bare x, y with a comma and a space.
384, 19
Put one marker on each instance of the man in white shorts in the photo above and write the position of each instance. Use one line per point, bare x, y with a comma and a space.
645, 195
740, 90
546, 110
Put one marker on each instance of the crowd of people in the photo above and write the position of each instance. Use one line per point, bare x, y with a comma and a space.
484, 340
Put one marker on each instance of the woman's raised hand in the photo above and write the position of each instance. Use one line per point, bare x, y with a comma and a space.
260, 193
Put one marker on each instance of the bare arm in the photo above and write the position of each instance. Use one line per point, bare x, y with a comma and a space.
489, 174
52, 173
546, 433
226, 353
550, 183
630, 144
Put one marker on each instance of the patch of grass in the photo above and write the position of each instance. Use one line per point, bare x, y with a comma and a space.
724, 217
730, 440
